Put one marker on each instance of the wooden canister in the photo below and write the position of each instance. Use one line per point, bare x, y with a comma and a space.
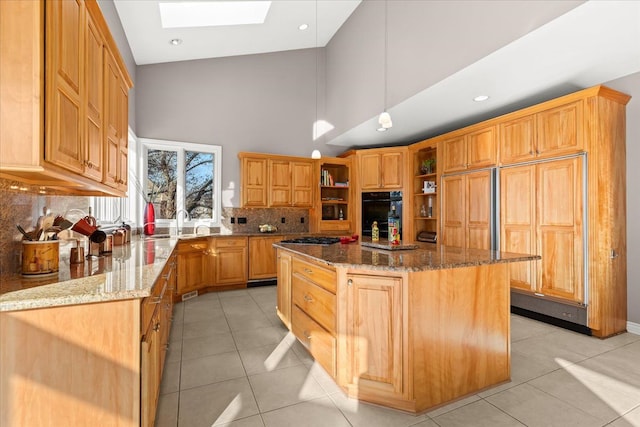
40, 258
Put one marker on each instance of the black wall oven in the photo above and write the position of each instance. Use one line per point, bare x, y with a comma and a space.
376, 207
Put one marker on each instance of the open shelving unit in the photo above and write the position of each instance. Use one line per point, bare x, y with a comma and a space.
425, 203
335, 205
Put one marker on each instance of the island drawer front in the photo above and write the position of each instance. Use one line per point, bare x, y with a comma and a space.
231, 242
317, 303
321, 276
150, 303
321, 344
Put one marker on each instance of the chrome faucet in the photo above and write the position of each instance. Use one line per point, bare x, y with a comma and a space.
180, 219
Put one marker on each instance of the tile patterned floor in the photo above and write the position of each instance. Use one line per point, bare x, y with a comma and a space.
232, 363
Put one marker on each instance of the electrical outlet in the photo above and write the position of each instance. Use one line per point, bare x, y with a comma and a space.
242, 220
301, 220
233, 220
282, 220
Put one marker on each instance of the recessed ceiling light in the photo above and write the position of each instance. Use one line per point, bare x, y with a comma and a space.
175, 42
481, 98
303, 27
212, 13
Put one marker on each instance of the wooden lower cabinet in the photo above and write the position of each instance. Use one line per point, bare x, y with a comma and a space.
230, 260
262, 257
194, 269
313, 310
283, 309
377, 336
89, 364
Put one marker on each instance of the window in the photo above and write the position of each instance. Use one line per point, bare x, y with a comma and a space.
183, 181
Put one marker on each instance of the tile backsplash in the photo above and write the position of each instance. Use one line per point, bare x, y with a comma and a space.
295, 220
22, 205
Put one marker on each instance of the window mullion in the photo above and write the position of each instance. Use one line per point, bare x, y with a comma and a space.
180, 191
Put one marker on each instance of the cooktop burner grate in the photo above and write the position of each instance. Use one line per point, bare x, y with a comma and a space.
312, 240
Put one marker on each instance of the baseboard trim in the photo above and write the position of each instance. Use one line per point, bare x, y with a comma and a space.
633, 328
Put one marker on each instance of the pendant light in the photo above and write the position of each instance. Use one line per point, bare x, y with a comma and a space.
315, 154
384, 120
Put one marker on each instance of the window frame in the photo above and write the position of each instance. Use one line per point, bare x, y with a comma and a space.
180, 148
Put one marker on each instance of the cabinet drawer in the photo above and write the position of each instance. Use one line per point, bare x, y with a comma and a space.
231, 242
321, 276
316, 302
150, 303
321, 344
198, 245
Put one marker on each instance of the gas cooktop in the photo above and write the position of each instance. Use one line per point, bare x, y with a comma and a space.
312, 240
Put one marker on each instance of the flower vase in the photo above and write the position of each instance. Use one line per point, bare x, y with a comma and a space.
149, 219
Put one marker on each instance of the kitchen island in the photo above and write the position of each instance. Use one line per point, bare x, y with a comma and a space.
408, 329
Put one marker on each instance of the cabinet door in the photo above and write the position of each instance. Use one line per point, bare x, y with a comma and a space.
231, 266
93, 101
453, 210
454, 154
192, 271
112, 121
284, 288
517, 222
302, 184
254, 182
279, 183
559, 228
560, 130
517, 140
478, 210
65, 21
149, 373
376, 334
262, 257
123, 135
370, 171
481, 148
391, 170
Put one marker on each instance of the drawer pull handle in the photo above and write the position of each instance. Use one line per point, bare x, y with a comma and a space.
307, 335
614, 254
307, 298
308, 271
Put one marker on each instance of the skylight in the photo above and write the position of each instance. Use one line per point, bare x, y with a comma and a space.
213, 13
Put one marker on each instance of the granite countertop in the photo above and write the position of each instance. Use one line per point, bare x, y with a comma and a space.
128, 273
427, 256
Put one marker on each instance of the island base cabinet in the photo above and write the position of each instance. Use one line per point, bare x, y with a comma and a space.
80, 365
283, 309
376, 336
460, 323
320, 343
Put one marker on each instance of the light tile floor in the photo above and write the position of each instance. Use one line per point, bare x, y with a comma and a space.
232, 363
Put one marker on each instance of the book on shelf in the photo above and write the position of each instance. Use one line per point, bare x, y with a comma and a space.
326, 178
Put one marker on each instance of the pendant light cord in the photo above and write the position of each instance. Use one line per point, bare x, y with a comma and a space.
386, 31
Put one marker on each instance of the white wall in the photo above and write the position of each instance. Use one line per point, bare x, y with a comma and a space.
631, 86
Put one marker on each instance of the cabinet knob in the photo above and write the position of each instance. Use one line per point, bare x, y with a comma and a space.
307, 335
307, 298
350, 282
156, 327
308, 271
614, 254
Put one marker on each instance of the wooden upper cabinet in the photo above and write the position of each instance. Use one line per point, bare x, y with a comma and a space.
65, 21
549, 133
276, 181
381, 169
93, 101
254, 182
560, 130
54, 124
476, 149
518, 140
454, 154
302, 183
279, 183
112, 122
